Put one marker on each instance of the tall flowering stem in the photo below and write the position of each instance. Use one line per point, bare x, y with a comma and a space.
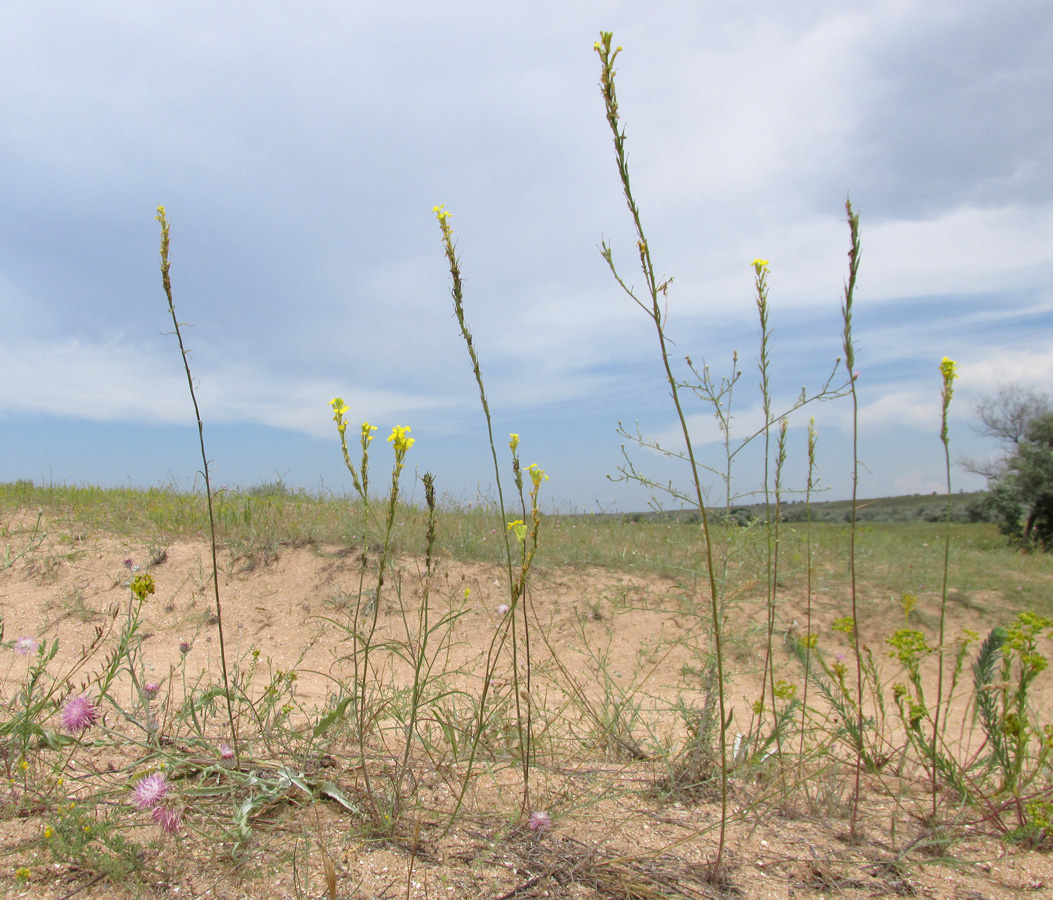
854, 253
516, 583
652, 306
167, 283
948, 371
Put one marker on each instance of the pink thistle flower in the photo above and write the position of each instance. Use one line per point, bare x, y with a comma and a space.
149, 790
128, 563
502, 610
168, 818
79, 714
226, 752
184, 647
539, 821
151, 690
25, 645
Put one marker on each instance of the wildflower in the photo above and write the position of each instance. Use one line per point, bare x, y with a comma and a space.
79, 715
149, 790
150, 689
168, 818
47, 832
948, 368
143, 586
184, 647
845, 624
23, 874
129, 563
513, 442
537, 474
226, 752
25, 645
502, 610
759, 265
367, 433
399, 440
539, 821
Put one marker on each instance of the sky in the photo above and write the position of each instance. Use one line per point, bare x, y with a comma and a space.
299, 150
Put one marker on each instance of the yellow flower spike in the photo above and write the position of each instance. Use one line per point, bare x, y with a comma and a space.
537, 474
949, 371
514, 442
399, 440
367, 432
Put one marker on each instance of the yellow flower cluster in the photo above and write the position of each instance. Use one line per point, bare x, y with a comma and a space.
339, 409
399, 440
537, 474
444, 223
143, 586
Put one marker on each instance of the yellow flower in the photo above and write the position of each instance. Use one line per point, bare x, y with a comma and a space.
441, 214
759, 264
949, 370
514, 442
47, 832
399, 440
367, 432
143, 586
519, 528
537, 474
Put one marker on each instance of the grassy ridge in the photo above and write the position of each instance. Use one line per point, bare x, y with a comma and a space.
902, 553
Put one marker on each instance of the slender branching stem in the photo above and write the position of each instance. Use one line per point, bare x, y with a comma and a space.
653, 308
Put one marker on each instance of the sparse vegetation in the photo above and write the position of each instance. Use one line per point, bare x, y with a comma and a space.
485, 700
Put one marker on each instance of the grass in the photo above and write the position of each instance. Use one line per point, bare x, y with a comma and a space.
900, 556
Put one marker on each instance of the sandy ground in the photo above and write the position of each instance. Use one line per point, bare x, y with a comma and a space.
597, 638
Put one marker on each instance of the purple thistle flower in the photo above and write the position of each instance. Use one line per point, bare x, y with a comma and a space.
168, 818
539, 821
128, 563
79, 714
184, 647
25, 645
226, 752
151, 690
149, 790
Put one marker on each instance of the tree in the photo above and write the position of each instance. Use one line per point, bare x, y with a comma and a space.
1021, 482
1005, 416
